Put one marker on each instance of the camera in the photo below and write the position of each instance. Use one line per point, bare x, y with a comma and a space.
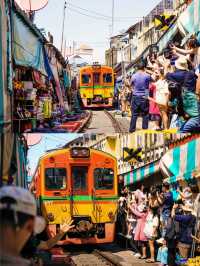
167, 53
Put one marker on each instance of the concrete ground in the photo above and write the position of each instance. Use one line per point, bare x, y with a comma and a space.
100, 123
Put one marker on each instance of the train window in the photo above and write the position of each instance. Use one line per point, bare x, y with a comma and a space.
79, 177
107, 78
96, 78
86, 78
55, 178
103, 178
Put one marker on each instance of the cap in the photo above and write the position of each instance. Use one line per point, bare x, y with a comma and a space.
25, 203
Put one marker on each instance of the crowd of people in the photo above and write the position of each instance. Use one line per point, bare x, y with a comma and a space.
165, 89
162, 223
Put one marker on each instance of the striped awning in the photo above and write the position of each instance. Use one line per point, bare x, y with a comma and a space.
181, 162
165, 39
141, 173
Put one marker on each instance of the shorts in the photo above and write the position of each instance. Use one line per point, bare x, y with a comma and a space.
142, 243
152, 238
154, 117
163, 108
183, 245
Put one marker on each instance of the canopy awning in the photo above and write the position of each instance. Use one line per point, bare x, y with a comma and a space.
5, 68
167, 37
181, 162
141, 173
27, 47
189, 20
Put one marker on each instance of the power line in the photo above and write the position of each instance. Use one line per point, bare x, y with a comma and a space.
98, 18
100, 14
90, 16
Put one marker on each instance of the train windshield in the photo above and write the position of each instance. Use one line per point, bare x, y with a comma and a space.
79, 177
55, 178
103, 178
96, 78
107, 78
86, 78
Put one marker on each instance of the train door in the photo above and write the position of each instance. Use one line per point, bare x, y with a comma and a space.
79, 176
97, 92
79, 187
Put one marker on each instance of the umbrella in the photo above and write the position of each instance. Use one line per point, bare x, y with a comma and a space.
32, 5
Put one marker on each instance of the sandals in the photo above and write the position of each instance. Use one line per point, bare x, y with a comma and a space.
150, 261
143, 258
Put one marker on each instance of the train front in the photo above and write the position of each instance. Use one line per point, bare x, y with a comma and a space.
97, 86
81, 184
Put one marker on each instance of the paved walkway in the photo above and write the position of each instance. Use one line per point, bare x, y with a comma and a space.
125, 122
130, 260
100, 123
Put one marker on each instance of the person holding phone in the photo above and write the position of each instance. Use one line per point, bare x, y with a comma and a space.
140, 82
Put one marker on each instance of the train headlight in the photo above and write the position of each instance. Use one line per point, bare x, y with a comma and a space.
50, 217
52, 160
80, 152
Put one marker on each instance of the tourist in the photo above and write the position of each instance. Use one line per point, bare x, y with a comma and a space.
154, 112
151, 231
187, 222
140, 82
18, 222
162, 97
141, 215
165, 200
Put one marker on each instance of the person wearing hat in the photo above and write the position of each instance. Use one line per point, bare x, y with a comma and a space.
18, 221
184, 79
187, 221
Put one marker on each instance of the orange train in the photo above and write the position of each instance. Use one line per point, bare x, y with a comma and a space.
78, 183
96, 86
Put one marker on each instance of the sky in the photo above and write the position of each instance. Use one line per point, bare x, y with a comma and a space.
94, 28
44, 143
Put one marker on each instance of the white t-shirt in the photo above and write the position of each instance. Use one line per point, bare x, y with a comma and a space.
161, 92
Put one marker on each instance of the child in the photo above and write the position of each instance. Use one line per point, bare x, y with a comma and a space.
162, 253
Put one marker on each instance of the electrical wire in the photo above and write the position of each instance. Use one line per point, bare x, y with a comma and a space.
99, 14
87, 15
95, 17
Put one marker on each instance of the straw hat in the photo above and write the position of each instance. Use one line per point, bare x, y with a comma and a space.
187, 208
181, 63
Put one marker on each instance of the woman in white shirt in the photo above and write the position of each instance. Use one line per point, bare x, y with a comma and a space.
162, 97
151, 231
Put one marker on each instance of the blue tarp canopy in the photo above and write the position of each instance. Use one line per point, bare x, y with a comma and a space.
27, 47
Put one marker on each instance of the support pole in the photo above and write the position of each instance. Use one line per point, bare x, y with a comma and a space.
113, 15
63, 26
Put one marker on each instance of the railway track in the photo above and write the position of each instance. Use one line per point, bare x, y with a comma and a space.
102, 121
116, 124
95, 258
